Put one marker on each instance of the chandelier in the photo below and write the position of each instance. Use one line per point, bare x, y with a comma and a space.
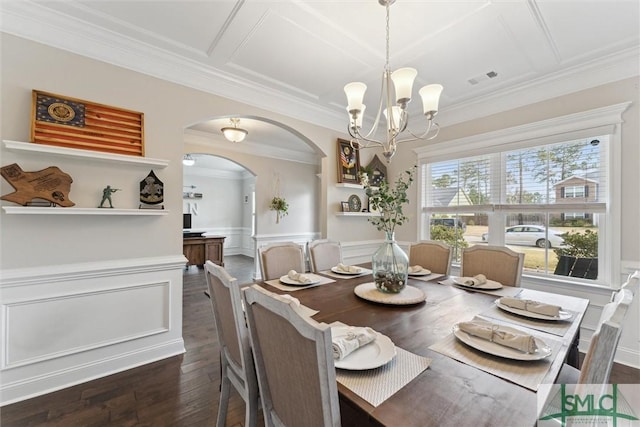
396, 116
234, 134
188, 160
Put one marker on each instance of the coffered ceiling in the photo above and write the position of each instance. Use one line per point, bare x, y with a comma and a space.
295, 56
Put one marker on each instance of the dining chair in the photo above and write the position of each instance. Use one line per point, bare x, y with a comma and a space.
432, 255
294, 362
277, 259
632, 283
598, 361
497, 263
237, 366
324, 254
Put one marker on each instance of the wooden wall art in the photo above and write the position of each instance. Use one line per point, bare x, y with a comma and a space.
74, 123
50, 184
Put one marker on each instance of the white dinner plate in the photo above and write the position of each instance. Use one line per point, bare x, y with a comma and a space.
346, 273
490, 285
289, 281
423, 272
564, 315
370, 356
483, 345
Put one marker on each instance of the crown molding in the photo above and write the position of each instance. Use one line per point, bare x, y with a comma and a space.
31, 21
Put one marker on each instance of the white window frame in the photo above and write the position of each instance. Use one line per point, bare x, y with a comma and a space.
599, 121
574, 189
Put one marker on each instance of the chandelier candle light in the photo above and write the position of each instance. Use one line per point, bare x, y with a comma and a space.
396, 115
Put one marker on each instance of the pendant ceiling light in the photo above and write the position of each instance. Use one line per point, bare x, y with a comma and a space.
234, 134
395, 115
187, 160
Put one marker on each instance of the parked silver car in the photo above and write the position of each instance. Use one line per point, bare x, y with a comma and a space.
530, 235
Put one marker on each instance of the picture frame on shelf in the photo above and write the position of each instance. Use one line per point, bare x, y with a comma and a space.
348, 162
378, 171
345, 206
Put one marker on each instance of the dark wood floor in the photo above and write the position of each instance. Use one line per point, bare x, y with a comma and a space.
179, 391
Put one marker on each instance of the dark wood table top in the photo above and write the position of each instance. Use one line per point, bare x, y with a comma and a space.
448, 392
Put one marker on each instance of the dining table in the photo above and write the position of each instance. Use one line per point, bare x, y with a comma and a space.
458, 386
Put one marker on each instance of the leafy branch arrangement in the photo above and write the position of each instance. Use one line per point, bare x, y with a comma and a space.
280, 205
389, 201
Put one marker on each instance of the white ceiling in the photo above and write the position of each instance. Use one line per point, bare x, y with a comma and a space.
294, 56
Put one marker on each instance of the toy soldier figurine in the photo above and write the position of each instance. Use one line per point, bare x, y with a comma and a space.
106, 195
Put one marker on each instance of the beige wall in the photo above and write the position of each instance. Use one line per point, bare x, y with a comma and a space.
168, 109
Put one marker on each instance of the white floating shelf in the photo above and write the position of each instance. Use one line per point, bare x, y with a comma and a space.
87, 154
356, 214
35, 210
349, 185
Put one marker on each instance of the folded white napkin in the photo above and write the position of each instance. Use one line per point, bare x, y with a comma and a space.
356, 338
298, 277
532, 306
477, 280
492, 332
348, 268
416, 269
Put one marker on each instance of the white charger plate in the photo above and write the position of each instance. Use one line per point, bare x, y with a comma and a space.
289, 281
423, 272
489, 347
563, 315
370, 356
346, 273
490, 285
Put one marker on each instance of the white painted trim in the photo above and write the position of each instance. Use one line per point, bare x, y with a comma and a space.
89, 270
67, 377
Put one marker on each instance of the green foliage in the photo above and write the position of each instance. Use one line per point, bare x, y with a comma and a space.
389, 201
454, 237
280, 205
581, 245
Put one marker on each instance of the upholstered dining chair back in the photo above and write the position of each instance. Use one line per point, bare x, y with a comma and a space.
324, 254
598, 361
432, 255
278, 258
497, 263
294, 362
237, 367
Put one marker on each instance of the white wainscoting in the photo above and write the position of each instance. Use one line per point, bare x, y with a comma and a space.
64, 325
238, 240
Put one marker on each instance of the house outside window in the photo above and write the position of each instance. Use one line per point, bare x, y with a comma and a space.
538, 192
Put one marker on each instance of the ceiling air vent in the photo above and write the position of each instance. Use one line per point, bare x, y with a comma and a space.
482, 77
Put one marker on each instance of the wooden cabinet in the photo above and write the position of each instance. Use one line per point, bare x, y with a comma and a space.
197, 250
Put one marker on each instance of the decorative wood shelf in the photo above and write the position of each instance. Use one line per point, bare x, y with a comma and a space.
87, 154
35, 210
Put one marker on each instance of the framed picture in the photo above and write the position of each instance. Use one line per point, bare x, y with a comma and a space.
378, 171
345, 206
348, 162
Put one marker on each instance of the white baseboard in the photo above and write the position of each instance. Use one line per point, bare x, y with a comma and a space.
53, 381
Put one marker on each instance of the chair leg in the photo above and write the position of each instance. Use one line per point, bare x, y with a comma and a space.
251, 407
225, 388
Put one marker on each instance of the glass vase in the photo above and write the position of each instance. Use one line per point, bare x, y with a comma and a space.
390, 266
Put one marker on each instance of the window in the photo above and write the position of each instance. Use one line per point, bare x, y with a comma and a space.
539, 191
574, 191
